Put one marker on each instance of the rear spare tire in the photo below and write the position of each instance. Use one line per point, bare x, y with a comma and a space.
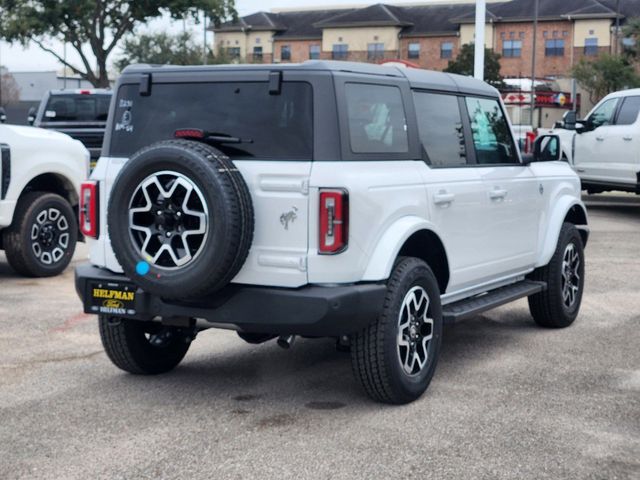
180, 219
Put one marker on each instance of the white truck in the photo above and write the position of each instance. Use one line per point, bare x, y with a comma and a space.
604, 148
324, 199
40, 176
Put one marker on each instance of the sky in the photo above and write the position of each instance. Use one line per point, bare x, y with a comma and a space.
20, 59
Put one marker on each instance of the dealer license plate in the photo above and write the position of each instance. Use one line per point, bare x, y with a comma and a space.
111, 298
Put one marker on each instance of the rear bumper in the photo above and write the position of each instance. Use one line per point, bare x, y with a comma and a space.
310, 310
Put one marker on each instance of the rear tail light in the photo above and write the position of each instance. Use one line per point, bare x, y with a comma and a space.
334, 221
89, 209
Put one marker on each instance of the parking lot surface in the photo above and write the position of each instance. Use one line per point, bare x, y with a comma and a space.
509, 400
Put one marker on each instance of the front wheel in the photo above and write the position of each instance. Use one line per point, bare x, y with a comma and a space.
395, 357
558, 305
143, 348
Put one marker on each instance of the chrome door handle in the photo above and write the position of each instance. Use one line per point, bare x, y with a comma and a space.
627, 139
497, 194
600, 139
443, 198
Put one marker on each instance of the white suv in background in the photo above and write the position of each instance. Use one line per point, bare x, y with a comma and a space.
324, 199
604, 148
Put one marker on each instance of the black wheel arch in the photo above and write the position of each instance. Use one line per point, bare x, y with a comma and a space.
427, 246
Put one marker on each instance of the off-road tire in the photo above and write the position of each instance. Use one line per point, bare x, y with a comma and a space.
231, 218
17, 240
374, 350
128, 347
548, 307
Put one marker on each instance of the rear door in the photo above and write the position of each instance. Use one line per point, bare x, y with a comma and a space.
455, 192
274, 156
622, 143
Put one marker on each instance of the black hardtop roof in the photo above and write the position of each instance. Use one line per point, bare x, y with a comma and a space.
418, 78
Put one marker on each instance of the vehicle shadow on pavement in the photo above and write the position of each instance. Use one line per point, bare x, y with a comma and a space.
311, 371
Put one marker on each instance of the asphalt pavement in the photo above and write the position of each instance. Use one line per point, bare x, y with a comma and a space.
509, 400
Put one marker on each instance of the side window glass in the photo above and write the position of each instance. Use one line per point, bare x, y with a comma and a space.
377, 121
629, 111
491, 134
440, 129
603, 115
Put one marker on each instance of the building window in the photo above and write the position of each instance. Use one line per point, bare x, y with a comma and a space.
375, 51
446, 50
314, 52
414, 50
521, 35
339, 51
257, 54
285, 52
545, 34
258, 40
233, 52
554, 48
511, 48
591, 46
565, 33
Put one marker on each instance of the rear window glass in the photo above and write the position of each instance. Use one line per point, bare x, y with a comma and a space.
271, 126
77, 108
377, 123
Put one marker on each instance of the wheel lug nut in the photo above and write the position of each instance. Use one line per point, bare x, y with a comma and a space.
159, 212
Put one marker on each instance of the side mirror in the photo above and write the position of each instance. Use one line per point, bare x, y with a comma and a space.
31, 115
581, 126
547, 148
3, 115
570, 118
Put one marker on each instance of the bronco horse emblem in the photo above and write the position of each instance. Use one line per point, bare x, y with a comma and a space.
287, 217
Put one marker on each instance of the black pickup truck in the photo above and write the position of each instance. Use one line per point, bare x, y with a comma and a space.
81, 114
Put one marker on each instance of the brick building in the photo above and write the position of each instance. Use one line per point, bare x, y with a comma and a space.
430, 35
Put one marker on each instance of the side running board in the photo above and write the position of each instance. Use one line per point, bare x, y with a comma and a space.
470, 307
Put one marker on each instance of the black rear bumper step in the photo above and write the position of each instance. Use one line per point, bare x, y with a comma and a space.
310, 310
473, 306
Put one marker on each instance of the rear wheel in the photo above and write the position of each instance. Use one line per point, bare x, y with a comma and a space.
395, 357
42, 238
144, 348
558, 305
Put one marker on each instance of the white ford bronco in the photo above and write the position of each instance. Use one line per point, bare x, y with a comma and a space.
40, 176
323, 199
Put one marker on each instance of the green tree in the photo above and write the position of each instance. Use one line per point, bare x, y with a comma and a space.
95, 25
161, 49
604, 75
463, 64
632, 30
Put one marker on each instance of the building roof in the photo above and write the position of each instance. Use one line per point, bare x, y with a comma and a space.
423, 20
433, 20
374, 15
303, 25
523, 10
